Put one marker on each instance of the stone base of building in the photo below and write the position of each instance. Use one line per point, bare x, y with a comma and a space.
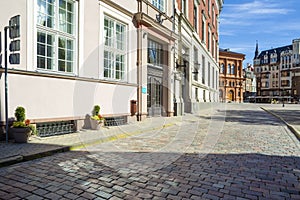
178, 109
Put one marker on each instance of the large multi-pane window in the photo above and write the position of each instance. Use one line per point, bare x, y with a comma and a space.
159, 4
155, 53
183, 6
203, 70
208, 76
213, 14
196, 18
56, 35
196, 65
228, 68
114, 49
222, 69
232, 69
203, 29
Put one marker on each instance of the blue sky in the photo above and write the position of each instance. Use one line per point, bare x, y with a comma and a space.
273, 23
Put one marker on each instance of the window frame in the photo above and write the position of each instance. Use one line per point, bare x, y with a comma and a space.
157, 50
57, 34
113, 71
232, 69
159, 4
196, 17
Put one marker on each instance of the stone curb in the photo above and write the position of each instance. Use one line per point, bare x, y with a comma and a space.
290, 127
23, 158
20, 158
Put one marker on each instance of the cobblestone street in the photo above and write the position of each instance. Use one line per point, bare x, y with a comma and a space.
230, 151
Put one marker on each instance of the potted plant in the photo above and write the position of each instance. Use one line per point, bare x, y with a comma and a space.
97, 120
21, 128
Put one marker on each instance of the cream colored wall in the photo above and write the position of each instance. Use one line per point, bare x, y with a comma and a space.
131, 5
89, 33
57, 98
9, 9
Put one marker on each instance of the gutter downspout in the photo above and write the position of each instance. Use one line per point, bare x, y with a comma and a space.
139, 61
6, 84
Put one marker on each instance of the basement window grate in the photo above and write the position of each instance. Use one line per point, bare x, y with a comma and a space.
115, 121
55, 128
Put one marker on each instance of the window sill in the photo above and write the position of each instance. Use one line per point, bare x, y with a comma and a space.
44, 71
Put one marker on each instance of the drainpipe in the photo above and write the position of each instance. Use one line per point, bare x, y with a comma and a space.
139, 61
6, 84
174, 16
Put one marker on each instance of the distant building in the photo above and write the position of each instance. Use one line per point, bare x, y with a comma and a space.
231, 76
249, 84
197, 69
278, 73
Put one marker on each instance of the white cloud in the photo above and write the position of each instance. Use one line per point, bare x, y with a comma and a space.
245, 13
226, 33
259, 7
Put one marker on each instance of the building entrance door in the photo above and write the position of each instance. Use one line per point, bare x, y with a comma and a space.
231, 95
154, 98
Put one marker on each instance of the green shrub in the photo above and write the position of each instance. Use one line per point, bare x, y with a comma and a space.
96, 110
20, 114
33, 129
19, 124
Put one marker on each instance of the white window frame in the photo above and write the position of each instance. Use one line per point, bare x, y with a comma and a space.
57, 33
115, 51
196, 18
158, 49
159, 4
203, 33
184, 4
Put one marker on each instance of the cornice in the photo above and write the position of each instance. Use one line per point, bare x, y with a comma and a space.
141, 18
65, 77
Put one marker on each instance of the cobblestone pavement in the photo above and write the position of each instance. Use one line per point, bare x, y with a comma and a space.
234, 151
290, 113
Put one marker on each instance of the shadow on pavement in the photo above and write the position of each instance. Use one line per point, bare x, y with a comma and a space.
254, 117
192, 176
290, 116
11, 153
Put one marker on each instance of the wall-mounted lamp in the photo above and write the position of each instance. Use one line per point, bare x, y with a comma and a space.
195, 72
178, 65
159, 17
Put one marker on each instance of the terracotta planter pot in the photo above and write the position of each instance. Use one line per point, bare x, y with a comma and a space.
21, 135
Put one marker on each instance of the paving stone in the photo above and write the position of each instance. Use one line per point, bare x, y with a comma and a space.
40, 192
251, 158
71, 196
34, 197
52, 196
21, 193
103, 194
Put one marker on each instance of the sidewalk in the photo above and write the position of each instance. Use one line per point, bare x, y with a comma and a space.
39, 147
289, 114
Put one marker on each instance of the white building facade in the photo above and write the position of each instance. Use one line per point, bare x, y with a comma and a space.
75, 54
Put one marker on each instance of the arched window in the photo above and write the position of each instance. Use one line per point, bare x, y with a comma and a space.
228, 69
232, 69
222, 68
